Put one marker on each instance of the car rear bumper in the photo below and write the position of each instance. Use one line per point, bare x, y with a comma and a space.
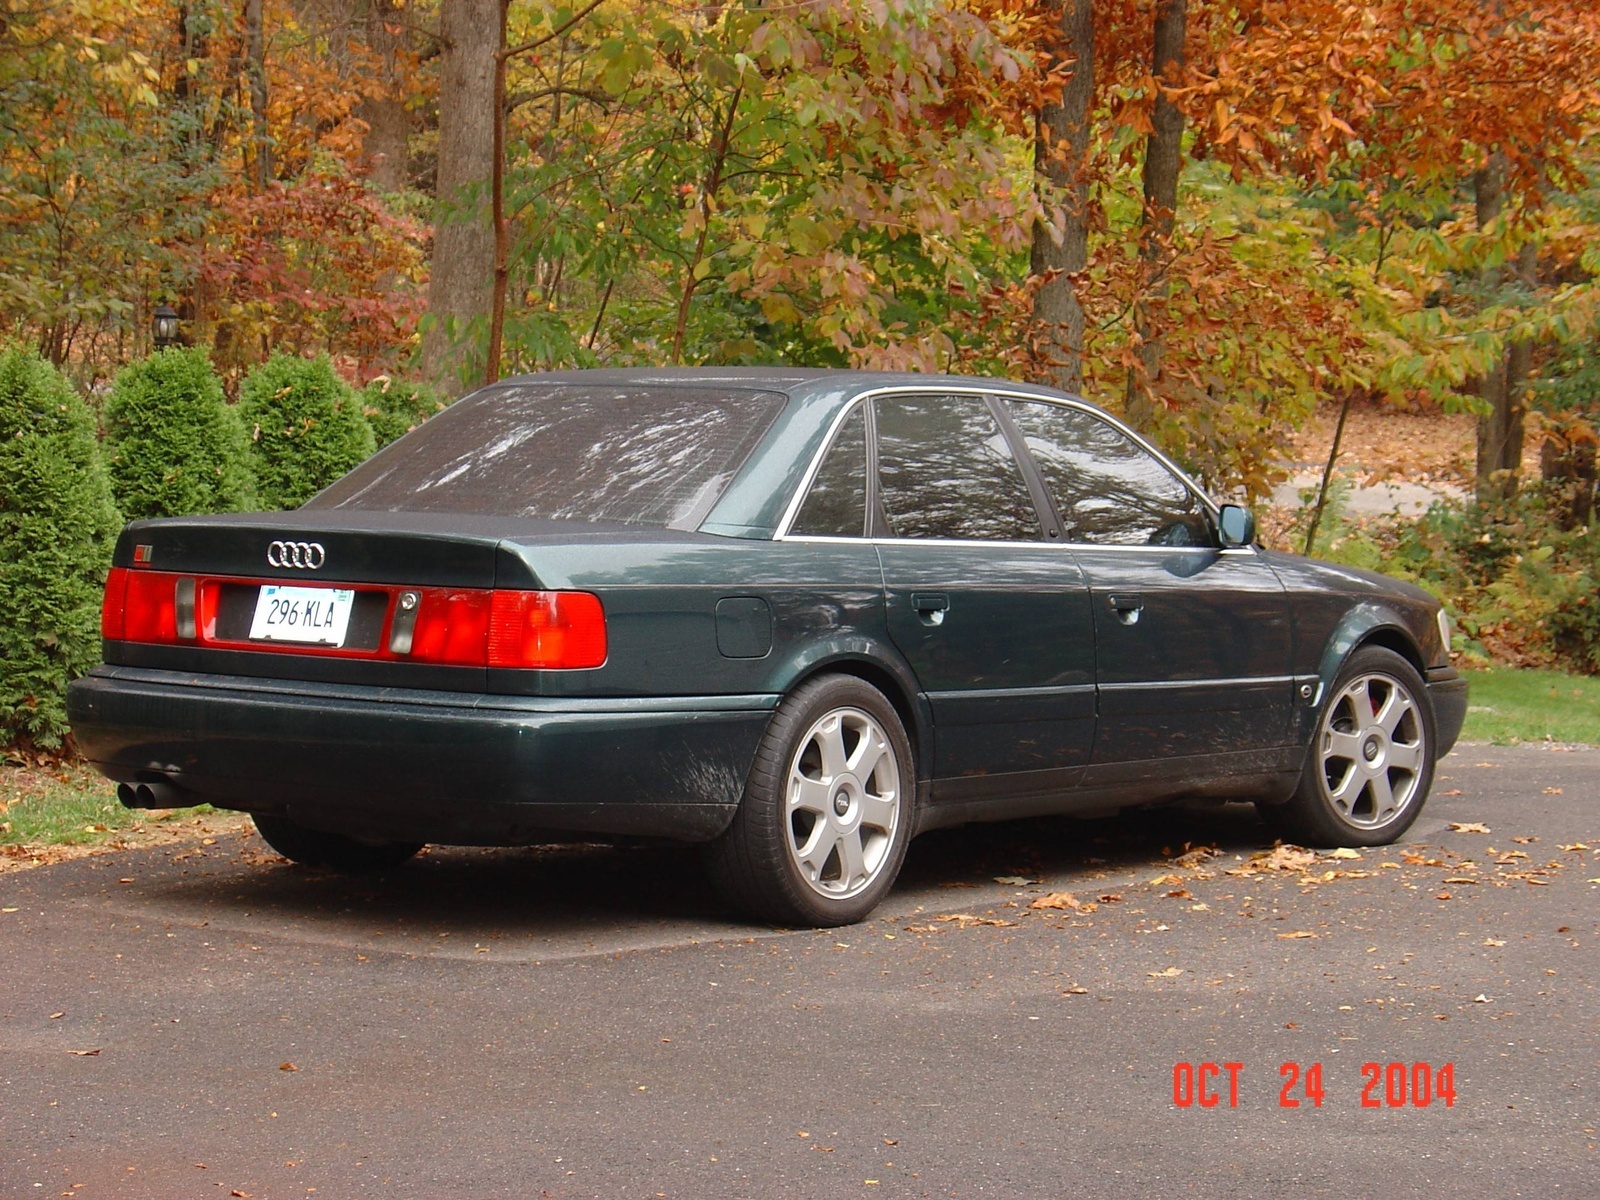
1447, 688
405, 764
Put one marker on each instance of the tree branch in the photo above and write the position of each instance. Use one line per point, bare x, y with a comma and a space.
517, 99
512, 51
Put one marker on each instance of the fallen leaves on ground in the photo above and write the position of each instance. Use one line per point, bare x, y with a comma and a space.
1169, 973
153, 830
1280, 858
956, 921
1064, 900
1468, 827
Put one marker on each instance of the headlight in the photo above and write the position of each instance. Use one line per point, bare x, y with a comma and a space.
1444, 629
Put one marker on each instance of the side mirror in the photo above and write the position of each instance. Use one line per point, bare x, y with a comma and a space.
1235, 526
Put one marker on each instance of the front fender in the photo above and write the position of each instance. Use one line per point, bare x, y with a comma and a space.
1364, 623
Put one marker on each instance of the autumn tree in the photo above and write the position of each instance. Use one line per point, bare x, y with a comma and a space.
818, 184
1484, 106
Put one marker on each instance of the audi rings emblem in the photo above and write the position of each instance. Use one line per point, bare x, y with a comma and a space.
302, 556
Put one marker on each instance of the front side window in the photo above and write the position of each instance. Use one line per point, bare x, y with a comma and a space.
1109, 490
836, 505
946, 471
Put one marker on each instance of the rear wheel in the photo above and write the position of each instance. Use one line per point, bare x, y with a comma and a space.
335, 851
1370, 764
822, 829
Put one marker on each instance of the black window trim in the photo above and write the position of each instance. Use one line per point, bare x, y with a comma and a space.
881, 525
992, 396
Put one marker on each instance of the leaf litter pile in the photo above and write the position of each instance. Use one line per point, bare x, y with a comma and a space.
1417, 868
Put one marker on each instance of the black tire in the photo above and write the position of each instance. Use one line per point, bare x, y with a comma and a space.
335, 851
790, 856
1370, 763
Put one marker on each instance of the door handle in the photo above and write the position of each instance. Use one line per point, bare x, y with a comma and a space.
930, 606
1127, 606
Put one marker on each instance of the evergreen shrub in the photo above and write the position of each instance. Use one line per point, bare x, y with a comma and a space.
174, 445
305, 428
393, 407
58, 525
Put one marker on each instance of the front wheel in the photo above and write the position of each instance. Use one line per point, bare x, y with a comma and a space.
822, 829
335, 851
1370, 763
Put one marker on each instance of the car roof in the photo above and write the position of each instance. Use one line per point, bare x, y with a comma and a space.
753, 504
822, 383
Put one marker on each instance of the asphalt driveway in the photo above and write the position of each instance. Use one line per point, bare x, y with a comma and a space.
207, 1021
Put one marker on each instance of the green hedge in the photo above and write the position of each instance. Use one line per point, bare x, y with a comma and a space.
57, 528
174, 445
305, 428
393, 408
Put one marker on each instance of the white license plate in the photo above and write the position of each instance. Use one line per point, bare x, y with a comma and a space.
302, 614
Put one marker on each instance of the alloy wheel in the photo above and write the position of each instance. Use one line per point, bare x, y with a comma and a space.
1372, 751
843, 803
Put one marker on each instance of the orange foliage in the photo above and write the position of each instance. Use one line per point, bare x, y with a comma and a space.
317, 264
1424, 88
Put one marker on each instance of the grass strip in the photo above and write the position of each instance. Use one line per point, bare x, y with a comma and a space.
1508, 705
67, 805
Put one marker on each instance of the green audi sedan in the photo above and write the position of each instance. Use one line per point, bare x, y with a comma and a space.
795, 616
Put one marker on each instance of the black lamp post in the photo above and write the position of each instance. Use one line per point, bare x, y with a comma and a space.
164, 326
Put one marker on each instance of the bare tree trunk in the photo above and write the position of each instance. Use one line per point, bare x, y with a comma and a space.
1500, 430
1061, 158
385, 146
255, 66
1163, 160
1327, 473
497, 206
461, 279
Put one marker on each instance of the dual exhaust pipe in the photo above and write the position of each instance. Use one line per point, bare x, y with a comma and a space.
152, 795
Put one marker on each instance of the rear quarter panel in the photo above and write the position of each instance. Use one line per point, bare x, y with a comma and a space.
661, 601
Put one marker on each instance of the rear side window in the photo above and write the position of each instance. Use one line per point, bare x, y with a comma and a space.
836, 505
946, 471
1109, 490
655, 457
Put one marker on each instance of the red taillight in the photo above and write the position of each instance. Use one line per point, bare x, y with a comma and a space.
149, 607
463, 627
547, 630
452, 627
112, 606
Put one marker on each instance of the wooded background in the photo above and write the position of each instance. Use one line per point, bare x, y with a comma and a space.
1207, 216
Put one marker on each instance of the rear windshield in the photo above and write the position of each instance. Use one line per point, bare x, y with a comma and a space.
657, 457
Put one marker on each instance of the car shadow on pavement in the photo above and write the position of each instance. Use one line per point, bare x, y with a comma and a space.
644, 892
